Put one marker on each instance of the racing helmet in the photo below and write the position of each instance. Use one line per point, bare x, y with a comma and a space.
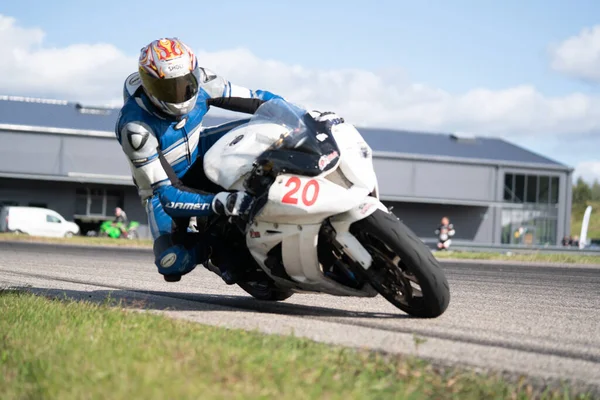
170, 75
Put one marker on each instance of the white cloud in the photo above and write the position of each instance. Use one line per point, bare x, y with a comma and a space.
94, 73
370, 99
83, 72
588, 170
579, 55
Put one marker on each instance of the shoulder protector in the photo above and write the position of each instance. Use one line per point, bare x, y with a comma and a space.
214, 85
138, 141
132, 84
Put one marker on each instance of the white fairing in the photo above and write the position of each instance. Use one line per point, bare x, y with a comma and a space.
298, 205
231, 158
357, 156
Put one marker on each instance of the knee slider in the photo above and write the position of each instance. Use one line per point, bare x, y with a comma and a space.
176, 260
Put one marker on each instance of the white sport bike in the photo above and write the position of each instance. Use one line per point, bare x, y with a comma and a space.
318, 224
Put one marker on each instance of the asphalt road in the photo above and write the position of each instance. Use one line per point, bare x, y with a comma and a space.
540, 321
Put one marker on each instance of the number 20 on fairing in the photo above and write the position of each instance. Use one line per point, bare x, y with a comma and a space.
308, 196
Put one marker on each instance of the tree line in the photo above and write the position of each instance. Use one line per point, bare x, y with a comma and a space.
583, 193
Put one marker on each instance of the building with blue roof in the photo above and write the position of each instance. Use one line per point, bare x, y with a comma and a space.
65, 156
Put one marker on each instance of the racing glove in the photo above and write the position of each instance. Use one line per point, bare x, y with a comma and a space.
232, 203
325, 120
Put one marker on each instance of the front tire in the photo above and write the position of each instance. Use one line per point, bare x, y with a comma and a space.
404, 271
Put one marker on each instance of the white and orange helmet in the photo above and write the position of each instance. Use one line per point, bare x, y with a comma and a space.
170, 75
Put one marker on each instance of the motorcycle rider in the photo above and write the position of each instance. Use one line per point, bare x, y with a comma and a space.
159, 129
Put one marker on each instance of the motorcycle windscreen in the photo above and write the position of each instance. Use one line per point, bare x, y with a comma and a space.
303, 150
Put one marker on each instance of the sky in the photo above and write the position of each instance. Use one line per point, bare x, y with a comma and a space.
528, 72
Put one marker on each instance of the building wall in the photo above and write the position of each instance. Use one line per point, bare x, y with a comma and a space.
560, 212
472, 223
57, 196
94, 155
61, 197
136, 212
435, 180
30, 153
568, 205
425, 189
54, 154
133, 206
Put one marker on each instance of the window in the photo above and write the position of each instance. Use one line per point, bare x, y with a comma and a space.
554, 190
544, 190
41, 205
546, 231
81, 202
519, 188
529, 226
97, 202
53, 219
113, 200
508, 187
531, 189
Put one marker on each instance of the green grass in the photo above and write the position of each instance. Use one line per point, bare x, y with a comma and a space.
521, 257
78, 240
577, 219
51, 349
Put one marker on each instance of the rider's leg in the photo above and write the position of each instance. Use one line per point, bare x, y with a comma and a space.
227, 258
176, 253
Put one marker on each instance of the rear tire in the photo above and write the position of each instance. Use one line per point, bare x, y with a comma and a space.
265, 291
404, 271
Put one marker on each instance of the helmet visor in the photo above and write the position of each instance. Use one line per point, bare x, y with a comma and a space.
172, 90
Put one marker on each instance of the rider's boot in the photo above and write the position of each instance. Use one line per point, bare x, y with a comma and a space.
225, 258
172, 278
228, 266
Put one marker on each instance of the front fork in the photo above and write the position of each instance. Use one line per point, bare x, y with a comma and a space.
347, 242
341, 254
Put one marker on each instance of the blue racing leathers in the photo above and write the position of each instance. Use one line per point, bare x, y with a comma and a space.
161, 149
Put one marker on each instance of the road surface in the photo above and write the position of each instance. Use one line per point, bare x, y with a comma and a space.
535, 320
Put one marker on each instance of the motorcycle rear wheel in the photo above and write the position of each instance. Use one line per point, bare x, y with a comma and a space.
404, 271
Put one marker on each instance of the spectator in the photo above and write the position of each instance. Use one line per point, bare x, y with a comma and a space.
445, 231
575, 241
121, 220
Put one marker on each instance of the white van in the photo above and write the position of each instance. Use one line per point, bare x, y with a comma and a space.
36, 221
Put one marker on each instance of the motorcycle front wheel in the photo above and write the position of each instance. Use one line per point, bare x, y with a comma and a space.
404, 271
